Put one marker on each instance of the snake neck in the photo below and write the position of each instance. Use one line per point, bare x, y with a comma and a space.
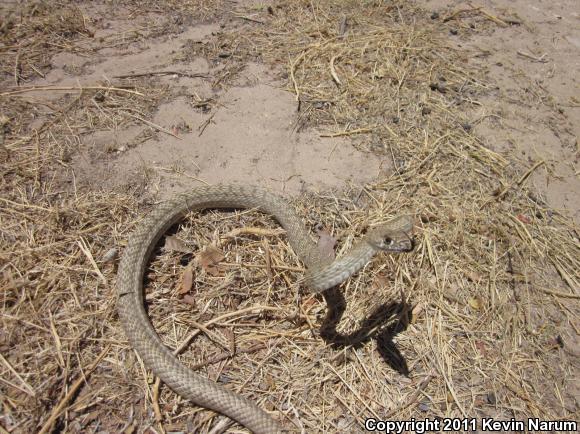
321, 278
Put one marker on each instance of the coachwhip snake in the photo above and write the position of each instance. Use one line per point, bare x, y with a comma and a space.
322, 274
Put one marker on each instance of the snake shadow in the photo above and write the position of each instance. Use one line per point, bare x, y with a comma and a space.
378, 325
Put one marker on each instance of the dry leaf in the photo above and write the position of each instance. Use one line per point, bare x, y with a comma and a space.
475, 303
326, 243
209, 258
186, 281
188, 299
174, 244
474, 276
524, 219
380, 281
480, 345
415, 313
269, 380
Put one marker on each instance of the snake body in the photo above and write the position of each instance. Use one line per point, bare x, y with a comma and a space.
322, 274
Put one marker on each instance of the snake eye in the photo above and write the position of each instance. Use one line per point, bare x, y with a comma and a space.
388, 241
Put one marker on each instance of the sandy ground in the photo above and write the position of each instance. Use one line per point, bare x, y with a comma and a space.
251, 132
248, 136
536, 61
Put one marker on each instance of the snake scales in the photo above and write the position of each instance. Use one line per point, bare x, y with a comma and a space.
322, 274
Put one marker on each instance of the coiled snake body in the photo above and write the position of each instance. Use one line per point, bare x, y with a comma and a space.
322, 274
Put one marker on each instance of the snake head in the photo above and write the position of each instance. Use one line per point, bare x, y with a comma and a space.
396, 235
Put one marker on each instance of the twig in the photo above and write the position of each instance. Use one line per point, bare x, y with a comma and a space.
348, 133
205, 124
17, 69
529, 56
145, 74
333, 71
85, 249
155, 402
244, 17
152, 125
456, 13
559, 293
177, 172
521, 180
343, 26
68, 88
275, 267
293, 66
493, 18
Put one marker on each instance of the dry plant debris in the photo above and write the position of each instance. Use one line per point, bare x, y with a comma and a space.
479, 320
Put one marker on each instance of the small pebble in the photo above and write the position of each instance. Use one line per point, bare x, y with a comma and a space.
110, 255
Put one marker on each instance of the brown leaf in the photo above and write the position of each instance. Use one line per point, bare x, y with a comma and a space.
480, 345
415, 313
380, 281
474, 276
209, 258
270, 382
174, 244
188, 299
326, 243
475, 303
450, 397
524, 219
186, 281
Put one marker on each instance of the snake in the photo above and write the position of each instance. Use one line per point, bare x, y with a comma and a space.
321, 273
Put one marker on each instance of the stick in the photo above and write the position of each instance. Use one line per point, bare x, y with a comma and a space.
333, 71
559, 294
347, 133
521, 180
29, 389
65, 88
153, 125
493, 18
243, 17
85, 249
145, 74
529, 56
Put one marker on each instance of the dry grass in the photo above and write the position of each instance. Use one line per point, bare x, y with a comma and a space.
474, 322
